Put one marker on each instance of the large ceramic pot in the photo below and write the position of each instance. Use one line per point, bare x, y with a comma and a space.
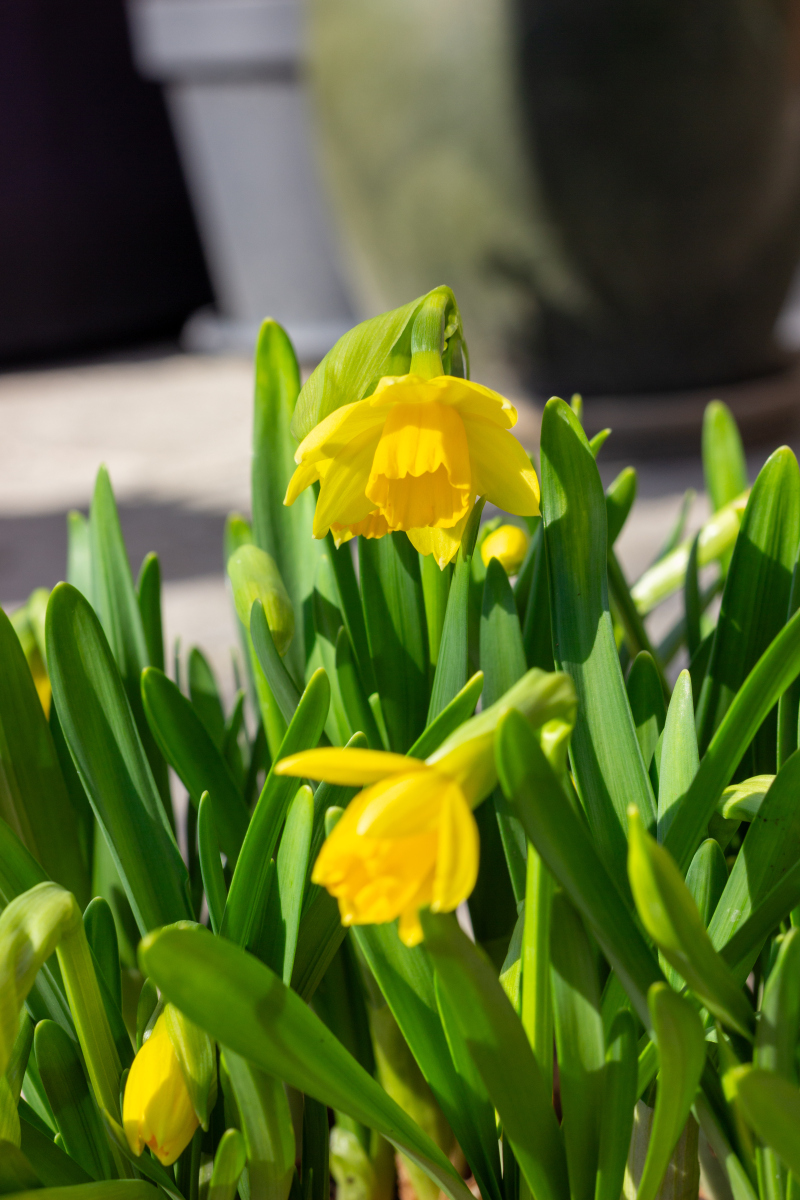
610, 186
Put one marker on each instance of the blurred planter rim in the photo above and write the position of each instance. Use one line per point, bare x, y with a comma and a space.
236, 100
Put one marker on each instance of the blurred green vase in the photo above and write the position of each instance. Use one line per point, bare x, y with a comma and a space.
611, 187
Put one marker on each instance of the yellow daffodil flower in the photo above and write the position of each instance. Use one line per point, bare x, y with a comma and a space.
409, 840
508, 544
157, 1110
414, 456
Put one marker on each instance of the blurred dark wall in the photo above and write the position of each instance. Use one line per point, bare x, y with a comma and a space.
98, 245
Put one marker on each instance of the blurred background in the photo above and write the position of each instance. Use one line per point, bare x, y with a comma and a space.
611, 188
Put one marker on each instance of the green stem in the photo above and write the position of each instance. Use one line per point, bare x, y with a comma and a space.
537, 1006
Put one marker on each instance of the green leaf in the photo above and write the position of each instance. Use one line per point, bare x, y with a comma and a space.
620, 497
770, 848
459, 710
359, 715
187, 746
681, 1054
568, 850
280, 682
79, 553
616, 1107
607, 761
724, 464
743, 948
692, 603
283, 532
321, 934
771, 1106
33, 797
79, 1124
394, 612
679, 758
435, 590
210, 864
229, 1163
769, 678
742, 801
789, 703
148, 595
405, 977
249, 1010
706, 878
670, 917
116, 604
756, 598
452, 667
537, 635
626, 612
204, 695
104, 743
351, 608
378, 347
580, 1044
327, 620
249, 886
777, 1034
646, 698
16, 1173
501, 1052
536, 1010
54, 1168
101, 934
286, 900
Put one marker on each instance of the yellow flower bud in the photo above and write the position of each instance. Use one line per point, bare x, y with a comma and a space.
415, 455
157, 1110
508, 544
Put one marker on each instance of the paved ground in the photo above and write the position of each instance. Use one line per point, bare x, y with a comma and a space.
174, 431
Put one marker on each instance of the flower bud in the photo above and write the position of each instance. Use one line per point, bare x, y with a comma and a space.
509, 545
157, 1110
254, 576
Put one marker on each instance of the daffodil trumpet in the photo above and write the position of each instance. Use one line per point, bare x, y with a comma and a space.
409, 840
414, 456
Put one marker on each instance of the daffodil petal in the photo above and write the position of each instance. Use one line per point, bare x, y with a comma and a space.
441, 543
458, 855
403, 806
304, 475
501, 469
339, 428
342, 494
352, 768
409, 928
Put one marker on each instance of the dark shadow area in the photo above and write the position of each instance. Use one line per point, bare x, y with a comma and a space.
33, 547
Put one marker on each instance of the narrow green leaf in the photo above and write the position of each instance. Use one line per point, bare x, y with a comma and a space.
250, 883
210, 864
327, 621
598, 441
679, 758
692, 603
405, 977
101, 934
537, 992
148, 595
646, 698
771, 1106
608, 766
628, 615
771, 847
459, 710
537, 635
187, 746
777, 1036
229, 1163
99, 728
283, 532
567, 848
204, 695
351, 608
79, 1123
617, 1104
54, 1168
452, 667
522, 584
315, 1152
724, 464
280, 682
620, 498
360, 717
286, 900
756, 598
789, 703
435, 590
580, 1044
769, 678
706, 878
501, 1052
115, 602
33, 798
79, 553
681, 1054
16, 1173
321, 934
248, 1009
670, 917
394, 612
